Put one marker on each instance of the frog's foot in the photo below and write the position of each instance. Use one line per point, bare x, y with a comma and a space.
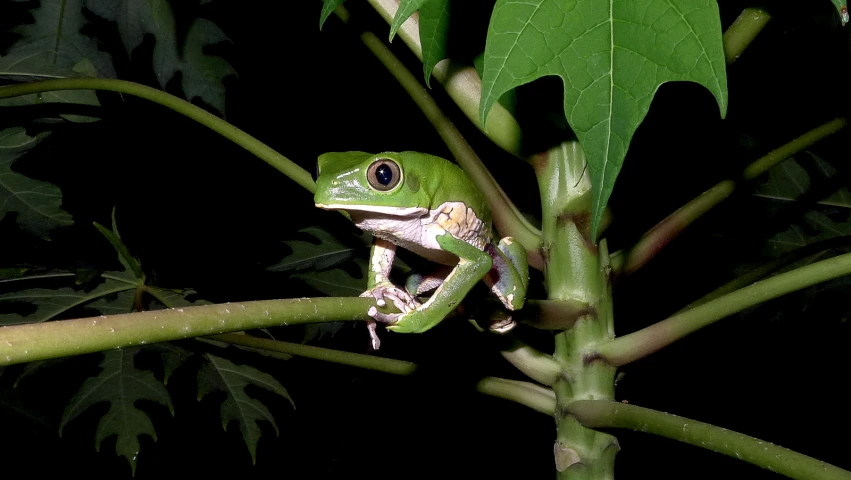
401, 299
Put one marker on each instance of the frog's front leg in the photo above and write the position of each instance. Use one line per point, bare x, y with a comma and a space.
380, 288
472, 266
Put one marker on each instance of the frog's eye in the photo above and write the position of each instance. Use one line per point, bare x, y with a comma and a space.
384, 174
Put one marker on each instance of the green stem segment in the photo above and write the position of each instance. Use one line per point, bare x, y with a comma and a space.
743, 31
634, 346
533, 396
577, 270
608, 414
369, 362
31, 342
239, 137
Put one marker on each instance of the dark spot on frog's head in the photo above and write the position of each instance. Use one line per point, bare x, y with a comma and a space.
412, 181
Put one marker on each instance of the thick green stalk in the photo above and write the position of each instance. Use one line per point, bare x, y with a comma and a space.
237, 136
634, 346
39, 341
608, 414
578, 271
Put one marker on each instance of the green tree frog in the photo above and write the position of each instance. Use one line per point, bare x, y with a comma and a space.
428, 205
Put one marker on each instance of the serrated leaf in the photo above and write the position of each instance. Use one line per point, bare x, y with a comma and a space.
120, 384
405, 10
337, 282
434, 29
37, 66
328, 7
202, 73
56, 34
325, 253
129, 262
225, 376
814, 227
612, 57
50, 303
176, 298
842, 8
789, 180
434, 32
35, 202
172, 357
316, 331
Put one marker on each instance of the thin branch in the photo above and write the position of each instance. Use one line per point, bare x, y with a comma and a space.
525, 393
237, 136
30, 342
369, 362
608, 414
634, 346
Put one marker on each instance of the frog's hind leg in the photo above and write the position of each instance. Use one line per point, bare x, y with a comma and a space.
509, 277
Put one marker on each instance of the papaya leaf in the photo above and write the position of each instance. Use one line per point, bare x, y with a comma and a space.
120, 384
328, 7
202, 73
612, 57
325, 253
337, 282
111, 296
175, 298
222, 375
36, 203
172, 357
815, 226
789, 180
129, 262
38, 66
434, 27
56, 39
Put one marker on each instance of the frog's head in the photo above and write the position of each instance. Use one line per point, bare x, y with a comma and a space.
386, 183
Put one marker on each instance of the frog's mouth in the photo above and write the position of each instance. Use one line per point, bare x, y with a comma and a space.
383, 210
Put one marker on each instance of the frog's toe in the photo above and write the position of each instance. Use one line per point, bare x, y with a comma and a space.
385, 318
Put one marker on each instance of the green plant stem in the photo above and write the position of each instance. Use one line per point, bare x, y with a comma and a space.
634, 346
30, 342
506, 217
774, 157
369, 362
461, 82
533, 396
536, 365
608, 414
239, 137
743, 31
626, 262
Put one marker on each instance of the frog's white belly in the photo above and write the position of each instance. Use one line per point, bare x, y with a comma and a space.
419, 233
